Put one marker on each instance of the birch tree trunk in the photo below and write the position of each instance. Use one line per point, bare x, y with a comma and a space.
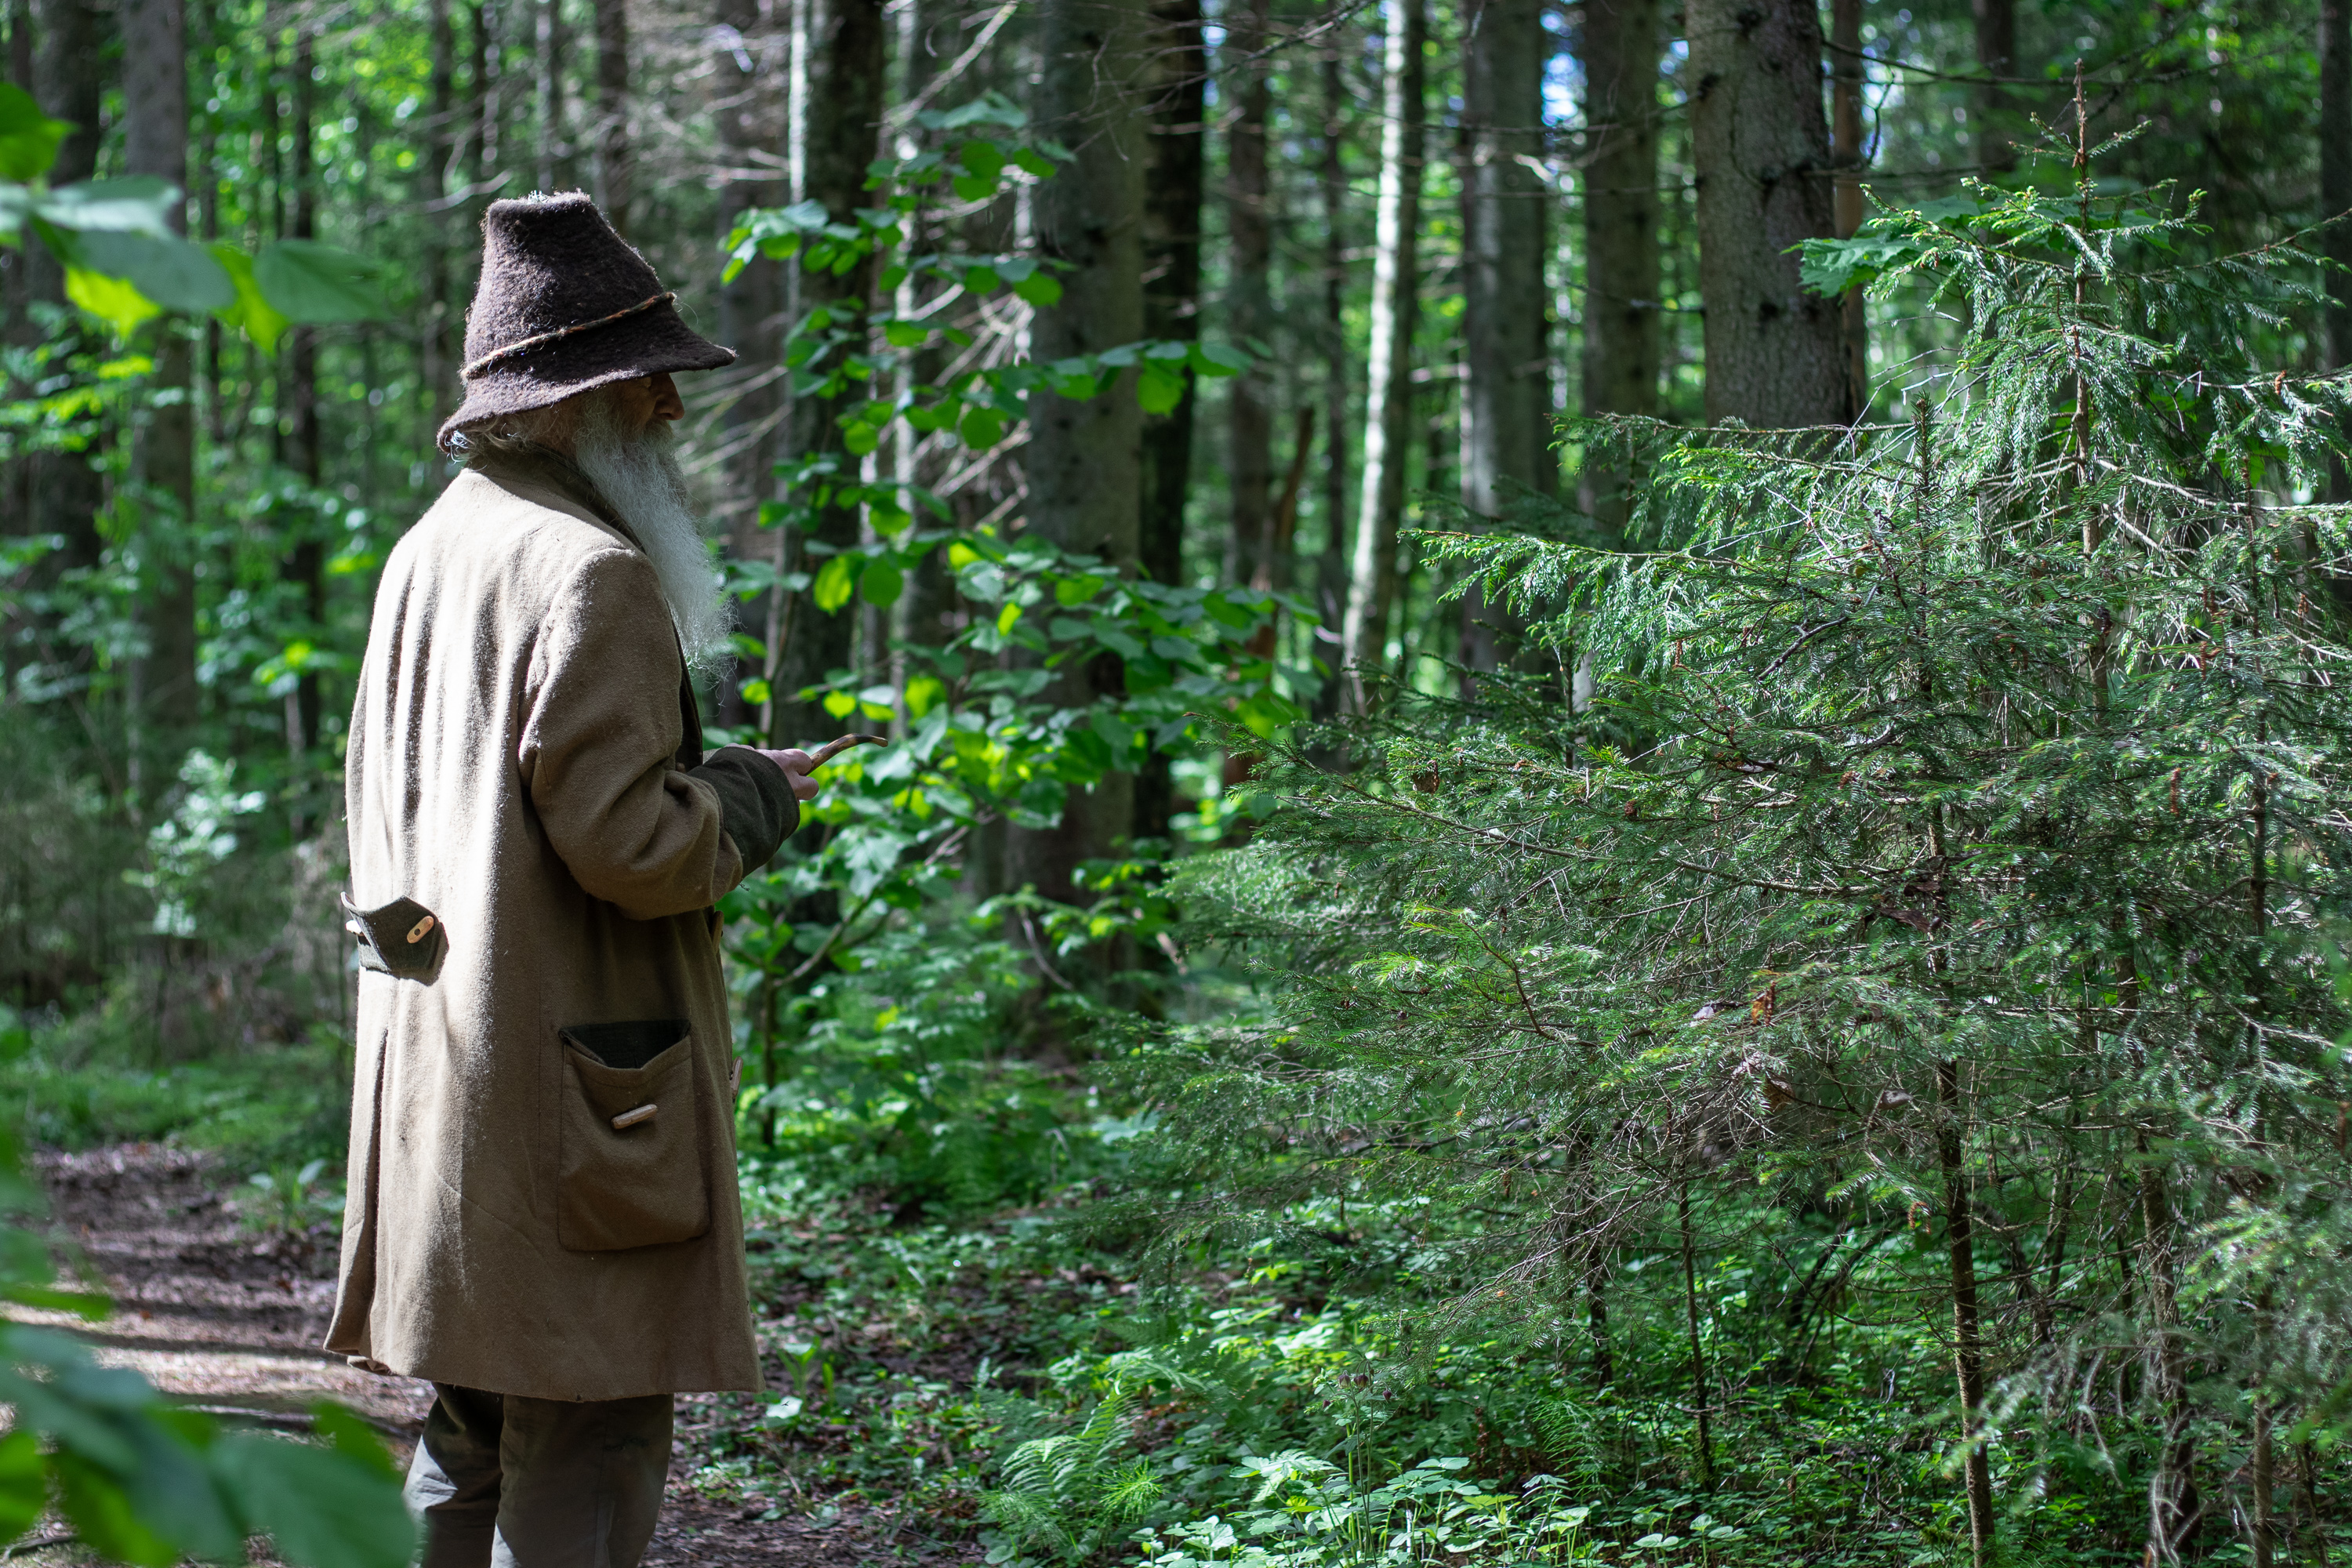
163, 445
1084, 465
1760, 146
1622, 321
1506, 311
1387, 371
1175, 98
616, 174
840, 66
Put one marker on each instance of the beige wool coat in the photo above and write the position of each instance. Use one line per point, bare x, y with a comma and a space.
536, 843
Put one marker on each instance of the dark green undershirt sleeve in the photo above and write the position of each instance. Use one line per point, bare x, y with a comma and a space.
756, 806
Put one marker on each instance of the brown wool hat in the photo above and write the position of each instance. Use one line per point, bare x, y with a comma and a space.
565, 305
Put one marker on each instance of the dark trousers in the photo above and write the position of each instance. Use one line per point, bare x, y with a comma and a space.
501, 1481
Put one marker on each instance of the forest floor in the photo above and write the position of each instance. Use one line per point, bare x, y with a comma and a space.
226, 1315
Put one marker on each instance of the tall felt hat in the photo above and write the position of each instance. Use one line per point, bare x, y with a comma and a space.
565, 305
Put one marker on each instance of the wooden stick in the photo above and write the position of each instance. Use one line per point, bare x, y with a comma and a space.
628, 1118
833, 749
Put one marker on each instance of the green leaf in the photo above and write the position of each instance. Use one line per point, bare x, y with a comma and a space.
308, 281
836, 581
981, 280
140, 205
906, 334
982, 427
353, 1438
1218, 359
1035, 162
24, 1484
881, 580
1078, 590
981, 158
99, 1510
170, 271
261, 321
860, 438
1040, 289
324, 1508
756, 690
28, 139
973, 188
1158, 389
110, 300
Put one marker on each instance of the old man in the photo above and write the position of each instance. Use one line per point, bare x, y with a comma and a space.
543, 1218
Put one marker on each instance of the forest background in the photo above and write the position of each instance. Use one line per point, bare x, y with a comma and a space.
1460, 949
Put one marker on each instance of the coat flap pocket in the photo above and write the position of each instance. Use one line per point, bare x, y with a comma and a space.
622, 1067
638, 1044
401, 938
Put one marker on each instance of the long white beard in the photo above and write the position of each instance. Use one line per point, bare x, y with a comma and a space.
639, 476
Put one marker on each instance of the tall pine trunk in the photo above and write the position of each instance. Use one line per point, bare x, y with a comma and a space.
838, 120
2335, 203
750, 308
615, 173
305, 565
1249, 310
1996, 41
1760, 146
1846, 153
1175, 98
1387, 371
63, 489
1331, 571
1622, 315
1084, 458
164, 446
1505, 310
1968, 1339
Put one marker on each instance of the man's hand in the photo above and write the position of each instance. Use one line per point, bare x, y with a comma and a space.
797, 766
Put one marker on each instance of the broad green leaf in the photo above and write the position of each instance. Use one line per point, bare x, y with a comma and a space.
1218, 359
353, 1438
906, 334
982, 427
836, 581
981, 280
757, 691
24, 1484
973, 188
307, 281
982, 158
99, 1510
170, 271
323, 1508
110, 300
1078, 590
261, 321
880, 582
1158, 390
1034, 162
1040, 289
1005, 618
28, 139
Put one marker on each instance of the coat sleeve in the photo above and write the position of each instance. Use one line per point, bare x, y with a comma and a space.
755, 802
598, 753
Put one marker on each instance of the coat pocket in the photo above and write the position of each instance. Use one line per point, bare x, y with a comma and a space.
632, 1170
403, 938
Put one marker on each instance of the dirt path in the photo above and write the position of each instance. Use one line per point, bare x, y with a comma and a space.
228, 1318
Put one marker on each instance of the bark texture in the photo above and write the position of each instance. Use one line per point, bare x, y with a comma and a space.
2335, 194
1846, 153
750, 309
615, 170
164, 443
1387, 371
305, 566
1996, 40
1084, 458
841, 60
1621, 322
1249, 414
1505, 310
63, 491
1331, 571
1968, 1339
1760, 145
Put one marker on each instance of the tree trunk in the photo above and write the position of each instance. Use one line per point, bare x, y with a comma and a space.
1331, 572
63, 491
437, 360
163, 447
20, 43
1760, 147
1846, 153
615, 173
1996, 33
1388, 372
1699, 1400
1249, 310
1622, 320
1505, 310
306, 563
750, 309
1084, 467
2176, 1510
554, 156
840, 63
1967, 1343
1596, 1318
1175, 97
482, 91
2335, 199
